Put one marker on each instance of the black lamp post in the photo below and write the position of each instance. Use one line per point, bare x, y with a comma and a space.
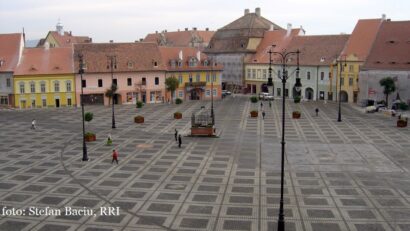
339, 115
284, 56
81, 71
270, 82
112, 63
212, 93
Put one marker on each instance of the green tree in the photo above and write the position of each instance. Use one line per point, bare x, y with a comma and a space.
88, 116
389, 87
171, 84
110, 92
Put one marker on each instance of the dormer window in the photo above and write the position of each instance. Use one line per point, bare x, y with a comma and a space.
391, 41
393, 62
378, 62
322, 59
173, 63
192, 62
206, 63
130, 65
155, 63
179, 63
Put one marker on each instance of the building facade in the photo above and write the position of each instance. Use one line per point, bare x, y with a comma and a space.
199, 76
44, 78
137, 70
61, 38
11, 49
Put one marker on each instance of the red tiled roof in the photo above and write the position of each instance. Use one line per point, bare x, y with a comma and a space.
10, 45
141, 56
180, 38
391, 49
67, 39
36, 61
172, 53
317, 50
362, 38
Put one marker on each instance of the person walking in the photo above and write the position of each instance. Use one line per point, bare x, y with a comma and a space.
176, 135
33, 124
109, 139
263, 115
270, 104
261, 104
317, 111
179, 141
114, 156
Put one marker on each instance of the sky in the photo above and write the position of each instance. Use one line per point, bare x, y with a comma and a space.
130, 20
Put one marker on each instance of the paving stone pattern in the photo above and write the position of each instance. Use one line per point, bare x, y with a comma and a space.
350, 175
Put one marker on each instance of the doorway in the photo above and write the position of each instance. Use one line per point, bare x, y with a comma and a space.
57, 102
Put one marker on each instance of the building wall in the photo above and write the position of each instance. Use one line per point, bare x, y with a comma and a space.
350, 77
35, 99
6, 91
184, 77
128, 94
370, 87
233, 69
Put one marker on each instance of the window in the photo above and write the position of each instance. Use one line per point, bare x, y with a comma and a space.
83, 83
350, 81
129, 82
330, 75
100, 83
43, 87
156, 80
264, 73
33, 103
214, 92
56, 86
114, 81
253, 74
68, 85
198, 77
155, 64
351, 68
322, 75
214, 77
130, 65
190, 78
278, 90
32, 87
180, 79
279, 73
68, 102
22, 90
144, 81
44, 102
4, 100
208, 93
180, 94
249, 74
259, 74
8, 83
207, 77
308, 75
342, 81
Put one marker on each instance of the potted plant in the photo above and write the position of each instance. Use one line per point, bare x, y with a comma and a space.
178, 101
139, 104
177, 115
296, 99
254, 113
402, 122
139, 119
254, 99
89, 136
296, 115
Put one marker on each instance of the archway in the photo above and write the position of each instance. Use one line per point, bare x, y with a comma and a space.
309, 93
344, 97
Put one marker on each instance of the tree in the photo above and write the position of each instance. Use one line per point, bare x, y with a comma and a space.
110, 92
171, 84
88, 116
389, 87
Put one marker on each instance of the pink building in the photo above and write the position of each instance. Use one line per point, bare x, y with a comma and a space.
136, 69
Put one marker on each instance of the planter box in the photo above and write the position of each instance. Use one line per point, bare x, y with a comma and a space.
202, 131
90, 138
401, 123
295, 115
139, 120
254, 114
177, 116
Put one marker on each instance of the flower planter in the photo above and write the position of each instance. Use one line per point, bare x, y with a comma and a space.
401, 123
90, 137
202, 131
139, 119
177, 115
254, 114
296, 115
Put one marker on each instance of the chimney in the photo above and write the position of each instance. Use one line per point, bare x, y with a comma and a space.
165, 31
207, 29
271, 28
258, 11
289, 29
383, 17
178, 30
186, 28
193, 28
111, 41
156, 32
70, 33
141, 39
246, 11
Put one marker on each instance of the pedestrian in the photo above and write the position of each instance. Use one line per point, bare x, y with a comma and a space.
176, 135
109, 139
270, 104
263, 114
33, 124
317, 111
261, 104
179, 141
114, 156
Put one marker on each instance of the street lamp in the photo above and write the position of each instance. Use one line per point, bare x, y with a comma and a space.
284, 60
270, 82
112, 63
339, 116
81, 72
212, 93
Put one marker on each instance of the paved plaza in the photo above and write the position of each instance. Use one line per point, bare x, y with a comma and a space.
350, 175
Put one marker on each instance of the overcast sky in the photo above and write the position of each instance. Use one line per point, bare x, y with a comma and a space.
129, 20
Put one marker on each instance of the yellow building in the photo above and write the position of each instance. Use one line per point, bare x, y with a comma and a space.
197, 77
61, 38
45, 78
